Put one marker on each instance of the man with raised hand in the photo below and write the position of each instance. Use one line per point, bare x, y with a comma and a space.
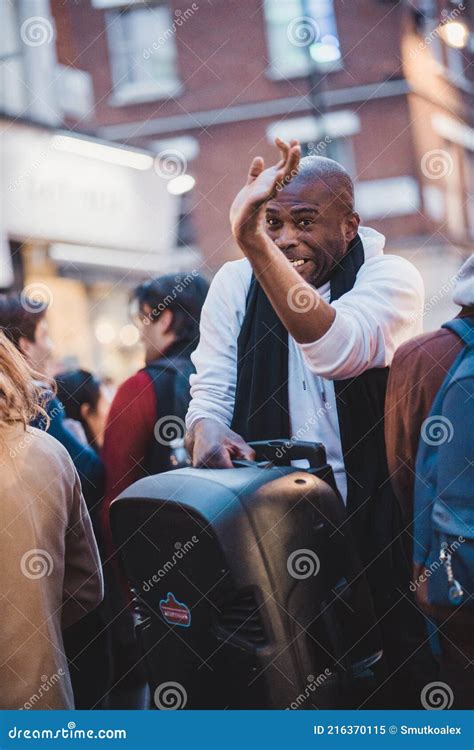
296, 340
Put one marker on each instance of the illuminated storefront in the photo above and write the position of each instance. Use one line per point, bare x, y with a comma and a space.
82, 223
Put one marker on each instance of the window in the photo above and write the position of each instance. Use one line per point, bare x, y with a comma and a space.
296, 40
142, 53
13, 92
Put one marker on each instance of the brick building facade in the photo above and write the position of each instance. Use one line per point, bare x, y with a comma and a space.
387, 87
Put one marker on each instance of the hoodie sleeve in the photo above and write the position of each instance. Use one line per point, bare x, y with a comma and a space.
215, 359
384, 309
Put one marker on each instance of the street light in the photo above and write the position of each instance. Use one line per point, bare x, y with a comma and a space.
455, 34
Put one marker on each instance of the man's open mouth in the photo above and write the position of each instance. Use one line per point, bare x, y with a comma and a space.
297, 262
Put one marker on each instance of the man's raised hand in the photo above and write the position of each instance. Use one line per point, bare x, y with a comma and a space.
246, 213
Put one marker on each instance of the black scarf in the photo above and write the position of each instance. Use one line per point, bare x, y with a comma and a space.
261, 412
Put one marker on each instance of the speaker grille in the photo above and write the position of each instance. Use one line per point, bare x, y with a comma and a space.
240, 618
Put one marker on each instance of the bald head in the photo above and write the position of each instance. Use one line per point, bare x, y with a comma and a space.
313, 170
312, 218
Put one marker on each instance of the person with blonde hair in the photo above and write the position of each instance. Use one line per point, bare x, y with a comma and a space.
50, 573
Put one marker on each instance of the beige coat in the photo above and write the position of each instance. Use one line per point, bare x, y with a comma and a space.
50, 573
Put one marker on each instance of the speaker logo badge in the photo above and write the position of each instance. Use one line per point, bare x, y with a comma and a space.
175, 612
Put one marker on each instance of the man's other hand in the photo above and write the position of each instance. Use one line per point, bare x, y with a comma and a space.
213, 445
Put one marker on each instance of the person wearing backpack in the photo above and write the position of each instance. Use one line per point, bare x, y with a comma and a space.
429, 427
144, 435
147, 414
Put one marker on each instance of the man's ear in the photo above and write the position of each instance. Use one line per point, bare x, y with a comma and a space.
85, 410
352, 226
166, 321
25, 346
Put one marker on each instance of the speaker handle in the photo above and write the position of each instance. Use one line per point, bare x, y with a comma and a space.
282, 451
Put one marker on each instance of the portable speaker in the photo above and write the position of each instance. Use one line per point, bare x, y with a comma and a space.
247, 590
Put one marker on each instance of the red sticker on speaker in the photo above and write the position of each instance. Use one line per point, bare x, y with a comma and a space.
175, 612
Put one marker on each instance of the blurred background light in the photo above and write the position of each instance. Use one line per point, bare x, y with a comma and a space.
455, 34
124, 157
104, 332
181, 184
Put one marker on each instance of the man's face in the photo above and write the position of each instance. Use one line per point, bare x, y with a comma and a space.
312, 226
39, 352
154, 332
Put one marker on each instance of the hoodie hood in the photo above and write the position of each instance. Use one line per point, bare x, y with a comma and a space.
373, 242
464, 289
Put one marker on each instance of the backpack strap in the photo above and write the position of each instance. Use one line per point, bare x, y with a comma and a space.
462, 327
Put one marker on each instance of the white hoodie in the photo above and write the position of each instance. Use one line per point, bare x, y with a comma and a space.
383, 310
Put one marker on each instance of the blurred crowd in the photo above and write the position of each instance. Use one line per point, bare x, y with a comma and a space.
69, 446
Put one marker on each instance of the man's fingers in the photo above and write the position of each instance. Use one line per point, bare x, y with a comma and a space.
293, 158
257, 166
290, 169
241, 449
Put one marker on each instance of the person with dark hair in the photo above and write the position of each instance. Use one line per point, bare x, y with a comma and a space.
145, 424
149, 408
87, 643
24, 322
86, 402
